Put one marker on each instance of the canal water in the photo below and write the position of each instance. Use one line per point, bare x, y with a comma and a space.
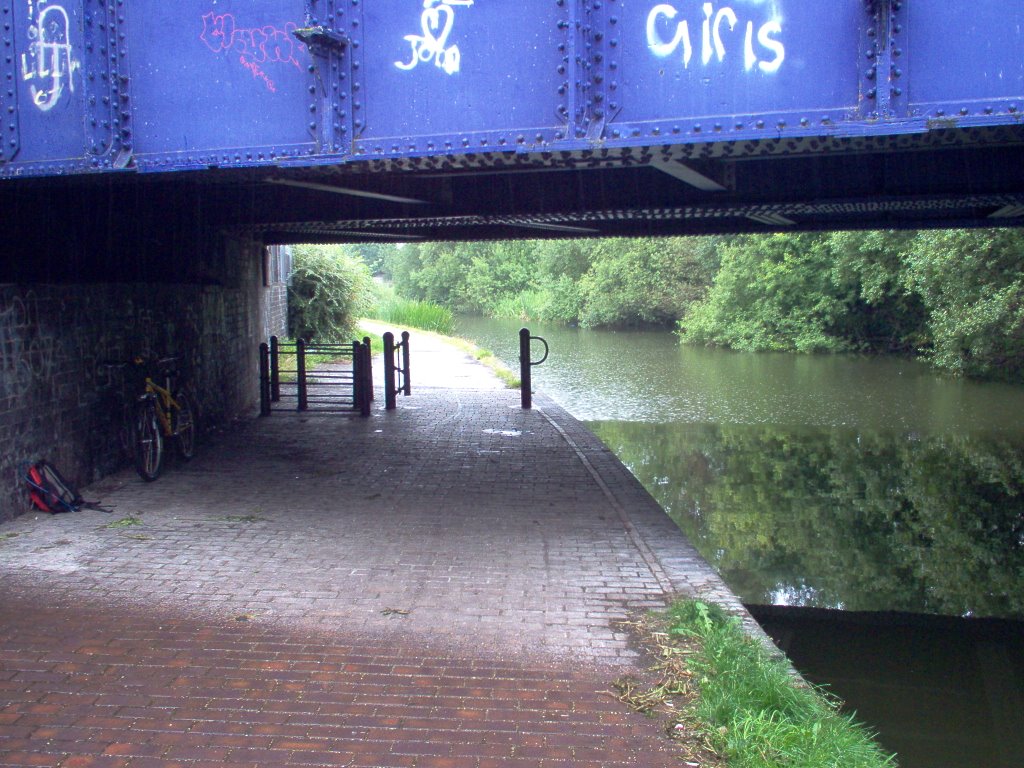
869, 512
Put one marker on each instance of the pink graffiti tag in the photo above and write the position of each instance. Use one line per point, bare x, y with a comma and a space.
258, 73
255, 46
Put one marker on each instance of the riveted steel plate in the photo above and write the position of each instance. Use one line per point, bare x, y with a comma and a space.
460, 74
49, 50
697, 71
963, 59
220, 82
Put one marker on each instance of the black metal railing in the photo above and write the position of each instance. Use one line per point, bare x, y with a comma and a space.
526, 365
309, 376
396, 369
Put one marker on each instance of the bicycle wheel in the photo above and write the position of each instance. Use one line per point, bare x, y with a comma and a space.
149, 443
184, 421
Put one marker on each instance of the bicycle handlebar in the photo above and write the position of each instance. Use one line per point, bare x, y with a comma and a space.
160, 363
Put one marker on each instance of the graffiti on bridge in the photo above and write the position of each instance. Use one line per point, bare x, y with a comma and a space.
49, 65
665, 36
436, 22
256, 47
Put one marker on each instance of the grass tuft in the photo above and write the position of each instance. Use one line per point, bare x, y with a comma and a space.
124, 522
527, 306
740, 702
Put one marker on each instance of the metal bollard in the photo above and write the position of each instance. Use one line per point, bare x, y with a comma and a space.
369, 366
406, 384
275, 370
360, 377
264, 380
300, 366
390, 402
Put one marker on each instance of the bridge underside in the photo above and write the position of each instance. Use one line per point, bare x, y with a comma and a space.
943, 178
402, 120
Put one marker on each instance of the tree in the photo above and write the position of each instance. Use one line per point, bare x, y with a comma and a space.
883, 312
772, 292
645, 281
328, 291
498, 271
972, 286
377, 257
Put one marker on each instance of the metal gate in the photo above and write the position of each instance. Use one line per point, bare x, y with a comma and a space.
318, 377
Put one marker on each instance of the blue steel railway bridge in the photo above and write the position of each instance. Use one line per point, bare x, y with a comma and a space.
153, 154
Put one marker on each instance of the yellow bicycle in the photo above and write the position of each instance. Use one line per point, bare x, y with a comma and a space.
162, 410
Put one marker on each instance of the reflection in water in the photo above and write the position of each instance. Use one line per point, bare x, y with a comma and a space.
841, 518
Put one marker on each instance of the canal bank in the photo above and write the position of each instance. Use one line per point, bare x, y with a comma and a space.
843, 483
441, 585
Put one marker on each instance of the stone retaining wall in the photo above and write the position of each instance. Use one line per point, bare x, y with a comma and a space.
57, 403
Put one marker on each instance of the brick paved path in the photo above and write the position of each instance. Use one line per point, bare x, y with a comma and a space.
435, 586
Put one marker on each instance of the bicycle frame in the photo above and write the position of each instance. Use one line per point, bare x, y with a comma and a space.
164, 401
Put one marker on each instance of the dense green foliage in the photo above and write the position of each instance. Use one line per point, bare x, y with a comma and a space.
328, 292
614, 282
859, 519
751, 708
954, 297
973, 287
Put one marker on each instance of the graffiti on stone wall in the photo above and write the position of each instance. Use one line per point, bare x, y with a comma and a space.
28, 359
49, 65
15, 371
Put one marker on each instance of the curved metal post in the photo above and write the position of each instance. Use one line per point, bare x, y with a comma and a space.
526, 384
526, 364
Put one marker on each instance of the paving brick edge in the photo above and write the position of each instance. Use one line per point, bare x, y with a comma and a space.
673, 559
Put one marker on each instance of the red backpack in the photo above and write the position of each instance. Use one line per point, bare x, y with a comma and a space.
48, 489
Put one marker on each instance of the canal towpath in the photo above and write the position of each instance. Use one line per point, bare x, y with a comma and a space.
440, 585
